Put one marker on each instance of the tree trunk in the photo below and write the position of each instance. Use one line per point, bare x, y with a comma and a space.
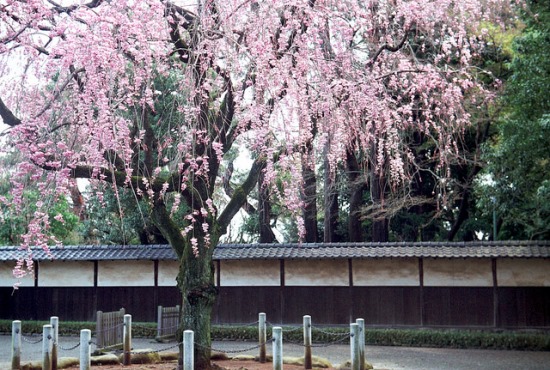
196, 283
331, 206
380, 224
310, 203
264, 212
79, 206
357, 187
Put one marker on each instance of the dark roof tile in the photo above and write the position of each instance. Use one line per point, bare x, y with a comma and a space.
519, 249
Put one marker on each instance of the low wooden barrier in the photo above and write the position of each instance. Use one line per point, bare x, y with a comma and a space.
109, 329
168, 320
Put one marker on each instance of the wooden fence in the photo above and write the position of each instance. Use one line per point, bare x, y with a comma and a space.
110, 329
168, 320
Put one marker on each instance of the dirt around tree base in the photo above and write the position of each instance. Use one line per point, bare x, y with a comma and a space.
222, 364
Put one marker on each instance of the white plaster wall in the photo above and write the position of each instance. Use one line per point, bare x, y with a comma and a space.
168, 271
317, 272
70, 273
126, 273
7, 279
462, 272
523, 272
386, 272
250, 273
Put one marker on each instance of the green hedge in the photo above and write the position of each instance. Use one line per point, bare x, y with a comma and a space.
455, 338
532, 341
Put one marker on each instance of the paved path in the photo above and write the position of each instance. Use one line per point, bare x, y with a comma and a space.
391, 358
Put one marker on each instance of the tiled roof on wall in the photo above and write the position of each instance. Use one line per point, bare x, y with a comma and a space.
523, 249
485, 249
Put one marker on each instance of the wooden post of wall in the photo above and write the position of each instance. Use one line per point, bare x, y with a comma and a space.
421, 287
99, 329
282, 289
159, 322
496, 318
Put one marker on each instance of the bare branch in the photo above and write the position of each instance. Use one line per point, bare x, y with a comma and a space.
68, 9
60, 90
14, 36
9, 118
390, 48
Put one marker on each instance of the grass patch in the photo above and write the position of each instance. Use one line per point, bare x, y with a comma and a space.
443, 338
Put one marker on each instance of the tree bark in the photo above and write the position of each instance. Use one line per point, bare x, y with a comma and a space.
264, 212
331, 206
310, 203
380, 224
195, 281
357, 188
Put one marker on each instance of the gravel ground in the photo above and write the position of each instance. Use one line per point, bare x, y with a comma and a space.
391, 358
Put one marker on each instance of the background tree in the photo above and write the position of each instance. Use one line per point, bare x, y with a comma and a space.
86, 105
517, 180
15, 221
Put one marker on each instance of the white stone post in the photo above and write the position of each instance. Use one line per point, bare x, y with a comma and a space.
361, 323
277, 348
54, 322
85, 349
354, 346
127, 340
16, 345
47, 347
262, 336
307, 342
188, 350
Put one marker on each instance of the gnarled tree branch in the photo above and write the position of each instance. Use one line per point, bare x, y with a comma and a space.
240, 194
9, 118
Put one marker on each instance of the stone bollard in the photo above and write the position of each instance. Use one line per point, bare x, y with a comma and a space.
85, 349
361, 323
262, 336
277, 348
127, 340
47, 347
188, 350
16, 345
354, 346
54, 322
307, 342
